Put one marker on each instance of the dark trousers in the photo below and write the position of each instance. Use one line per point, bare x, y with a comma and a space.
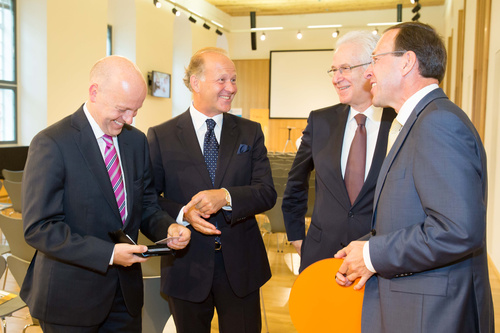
118, 320
235, 314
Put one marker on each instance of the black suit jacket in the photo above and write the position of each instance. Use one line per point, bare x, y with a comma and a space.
244, 170
335, 222
69, 208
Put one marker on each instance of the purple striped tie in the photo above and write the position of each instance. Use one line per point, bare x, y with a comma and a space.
115, 174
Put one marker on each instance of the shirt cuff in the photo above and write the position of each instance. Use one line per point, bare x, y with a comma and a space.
366, 257
112, 257
180, 218
230, 207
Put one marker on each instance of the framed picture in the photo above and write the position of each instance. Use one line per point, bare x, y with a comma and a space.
160, 84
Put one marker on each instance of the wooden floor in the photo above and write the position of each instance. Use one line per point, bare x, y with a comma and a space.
275, 294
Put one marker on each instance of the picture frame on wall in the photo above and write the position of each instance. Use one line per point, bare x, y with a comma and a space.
160, 84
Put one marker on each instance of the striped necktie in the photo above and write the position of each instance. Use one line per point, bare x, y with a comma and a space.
115, 174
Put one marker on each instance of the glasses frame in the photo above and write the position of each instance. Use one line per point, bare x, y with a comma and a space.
374, 56
344, 69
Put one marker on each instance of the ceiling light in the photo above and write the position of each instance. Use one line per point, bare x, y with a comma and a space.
206, 26
375, 31
416, 17
336, 33
299, 35
192, 19
263, 36
416, 8
157, 3
324, 26
176, 12
218, 32
217, 24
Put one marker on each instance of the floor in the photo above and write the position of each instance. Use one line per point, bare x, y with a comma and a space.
275, 294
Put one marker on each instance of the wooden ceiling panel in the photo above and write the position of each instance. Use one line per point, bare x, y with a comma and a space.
293, 7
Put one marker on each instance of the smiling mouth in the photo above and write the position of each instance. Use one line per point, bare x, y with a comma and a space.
118, 123
226, 97
343, 88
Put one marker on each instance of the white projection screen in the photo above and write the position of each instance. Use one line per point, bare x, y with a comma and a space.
299, 83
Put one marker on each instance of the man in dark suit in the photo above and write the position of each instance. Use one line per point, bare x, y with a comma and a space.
79, 280
339, 216
425, 266
216, 192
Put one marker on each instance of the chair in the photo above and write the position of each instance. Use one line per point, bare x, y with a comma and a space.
155, 312
13, 176
276, 221
14, 191
12, 228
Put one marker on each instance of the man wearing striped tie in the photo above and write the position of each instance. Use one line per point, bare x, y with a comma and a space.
86, 176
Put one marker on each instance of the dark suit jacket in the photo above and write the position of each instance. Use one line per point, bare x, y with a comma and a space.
244, 170
334, 223
429, 250
69, 208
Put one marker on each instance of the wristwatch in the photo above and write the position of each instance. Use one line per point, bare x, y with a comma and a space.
228, 197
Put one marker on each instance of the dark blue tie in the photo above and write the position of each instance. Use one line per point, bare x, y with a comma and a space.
211, 149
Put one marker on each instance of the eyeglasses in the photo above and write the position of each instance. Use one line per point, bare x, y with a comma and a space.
344, 70
376, 56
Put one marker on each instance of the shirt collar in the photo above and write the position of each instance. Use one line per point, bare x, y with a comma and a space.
412, 102
373, 113
199, 118
93, 124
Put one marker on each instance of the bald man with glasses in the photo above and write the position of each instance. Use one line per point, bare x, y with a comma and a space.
346, 145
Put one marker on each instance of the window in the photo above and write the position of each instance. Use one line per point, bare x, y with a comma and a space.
109, 41
8, 82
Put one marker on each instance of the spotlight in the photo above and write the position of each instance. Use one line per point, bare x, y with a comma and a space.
263, 36
375, 31
206, 26
218, 32
416, 17
299, 35
157, 3
176, 12
416, 8
335, 34
192, 19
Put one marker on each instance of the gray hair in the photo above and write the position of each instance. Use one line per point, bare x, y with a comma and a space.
366, 41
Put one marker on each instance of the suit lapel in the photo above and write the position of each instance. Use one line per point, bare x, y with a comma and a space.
93, 158
333, 178
228, 141
187, 137
437, 93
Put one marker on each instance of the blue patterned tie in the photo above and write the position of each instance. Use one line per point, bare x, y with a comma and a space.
211, 149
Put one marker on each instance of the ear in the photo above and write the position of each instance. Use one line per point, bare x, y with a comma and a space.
93, 92
408, 62
195, 83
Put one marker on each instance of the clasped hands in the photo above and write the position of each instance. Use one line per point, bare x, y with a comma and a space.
201, 206
353, 266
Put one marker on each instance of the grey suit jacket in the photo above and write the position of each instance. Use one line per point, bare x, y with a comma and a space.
335, 222
69, 209
430, 219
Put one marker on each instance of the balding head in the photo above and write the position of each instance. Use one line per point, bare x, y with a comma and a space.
117, 90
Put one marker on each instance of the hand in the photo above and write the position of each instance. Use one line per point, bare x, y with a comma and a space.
198, 222
208, 202
353, 266
184, 234
297, 245
124, 254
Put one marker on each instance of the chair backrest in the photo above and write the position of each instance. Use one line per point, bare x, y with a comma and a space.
3, 266
13, 176
14, 191
18, 268
12, 228
275, 216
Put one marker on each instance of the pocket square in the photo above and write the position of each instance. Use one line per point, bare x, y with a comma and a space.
243, 148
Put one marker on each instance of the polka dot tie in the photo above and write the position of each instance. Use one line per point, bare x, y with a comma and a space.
211, 149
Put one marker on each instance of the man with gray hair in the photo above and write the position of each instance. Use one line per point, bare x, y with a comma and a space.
346, 145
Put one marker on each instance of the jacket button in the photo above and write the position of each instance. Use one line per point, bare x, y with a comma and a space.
351, 214
374, 232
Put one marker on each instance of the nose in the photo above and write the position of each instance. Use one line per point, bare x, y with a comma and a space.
368, 72
128, 116
337, 77
231, 87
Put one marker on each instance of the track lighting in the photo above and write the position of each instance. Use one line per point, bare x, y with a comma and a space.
416, 17
157, 3
335, 34
416, 8
206, 26
299, 35
192, 19
375, 31
263, 36
218, 32
176, 12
